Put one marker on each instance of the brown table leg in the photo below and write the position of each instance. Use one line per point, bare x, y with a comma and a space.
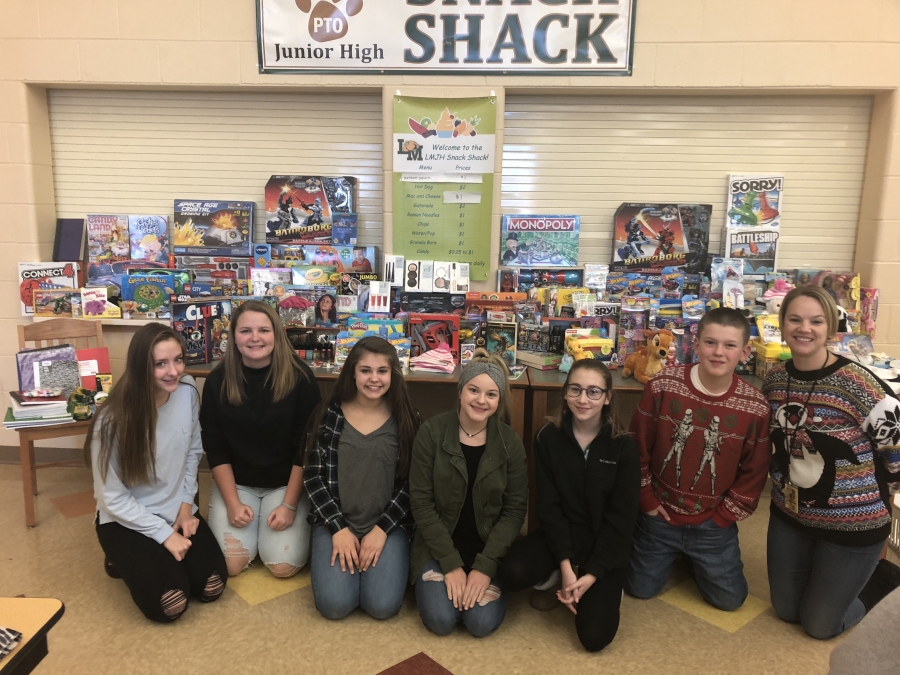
538, 413
29, 480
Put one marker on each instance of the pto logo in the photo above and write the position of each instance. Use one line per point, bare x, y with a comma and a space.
327, 22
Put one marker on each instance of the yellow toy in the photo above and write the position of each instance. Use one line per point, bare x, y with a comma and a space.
647, 361
573, 346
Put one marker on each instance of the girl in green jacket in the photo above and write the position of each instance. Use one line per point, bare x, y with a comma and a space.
468, 491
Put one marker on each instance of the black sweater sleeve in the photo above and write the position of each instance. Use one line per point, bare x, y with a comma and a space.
215, 442
612, 545
551, 515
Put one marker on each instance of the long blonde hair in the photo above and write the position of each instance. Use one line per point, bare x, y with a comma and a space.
285, 369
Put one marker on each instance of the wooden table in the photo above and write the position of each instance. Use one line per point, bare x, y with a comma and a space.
33, 618
27, 437
431, 393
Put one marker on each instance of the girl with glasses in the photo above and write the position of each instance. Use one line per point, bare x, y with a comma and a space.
588, 484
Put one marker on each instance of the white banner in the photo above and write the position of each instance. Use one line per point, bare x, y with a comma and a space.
553, 37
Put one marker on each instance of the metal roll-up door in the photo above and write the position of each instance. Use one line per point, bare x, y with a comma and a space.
138, 151
586, 155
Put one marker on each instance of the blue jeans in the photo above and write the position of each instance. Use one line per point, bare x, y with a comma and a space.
440, 616
714, 552
816, 583
378, 591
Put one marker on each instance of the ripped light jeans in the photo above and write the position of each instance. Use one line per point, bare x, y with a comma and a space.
283, 553
440, 616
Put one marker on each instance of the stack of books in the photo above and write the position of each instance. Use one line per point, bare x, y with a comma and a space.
36, 412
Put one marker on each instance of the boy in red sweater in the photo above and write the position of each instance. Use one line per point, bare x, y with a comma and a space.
702, 433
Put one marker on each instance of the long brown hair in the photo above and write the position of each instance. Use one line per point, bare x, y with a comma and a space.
609, 415
127, 419
397, 398
285, 369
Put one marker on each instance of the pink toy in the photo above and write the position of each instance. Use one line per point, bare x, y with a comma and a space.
779, 289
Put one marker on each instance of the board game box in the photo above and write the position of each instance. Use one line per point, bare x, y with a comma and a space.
149, 236
107, 238
213, 228
300, 209
344, 229
205, 326
539, 241
47, 276
757, 247
648, 237
754, 200
146, 297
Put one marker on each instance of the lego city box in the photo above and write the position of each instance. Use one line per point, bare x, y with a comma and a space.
301, 209
429, 331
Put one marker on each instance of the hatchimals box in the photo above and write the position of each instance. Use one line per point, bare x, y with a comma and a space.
213, 228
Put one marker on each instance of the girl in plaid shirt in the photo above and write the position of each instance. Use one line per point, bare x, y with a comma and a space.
360, 509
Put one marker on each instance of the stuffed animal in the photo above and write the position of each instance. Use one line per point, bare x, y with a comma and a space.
773, 304
647, 361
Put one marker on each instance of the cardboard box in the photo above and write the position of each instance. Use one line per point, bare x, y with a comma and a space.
428, 331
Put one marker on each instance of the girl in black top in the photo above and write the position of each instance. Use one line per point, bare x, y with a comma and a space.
255, 407
588, 483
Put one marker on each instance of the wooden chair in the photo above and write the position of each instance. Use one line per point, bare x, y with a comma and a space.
81, 334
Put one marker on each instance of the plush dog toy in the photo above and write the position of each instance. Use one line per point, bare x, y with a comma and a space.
647, 361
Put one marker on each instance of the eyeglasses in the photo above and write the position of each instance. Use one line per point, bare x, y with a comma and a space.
593, 393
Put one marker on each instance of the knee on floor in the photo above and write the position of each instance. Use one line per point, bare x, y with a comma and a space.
334, 609
282, 570
214, 588
480, 625
595, 639
173, 604
382, 609
816, 628
237, 556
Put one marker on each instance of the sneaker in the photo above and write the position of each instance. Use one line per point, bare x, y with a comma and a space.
110, 569
545, 600
549, 582
884, 580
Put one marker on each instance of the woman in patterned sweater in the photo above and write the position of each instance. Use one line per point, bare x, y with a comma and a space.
835, 434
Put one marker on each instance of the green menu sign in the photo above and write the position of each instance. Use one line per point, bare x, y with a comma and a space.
443, 180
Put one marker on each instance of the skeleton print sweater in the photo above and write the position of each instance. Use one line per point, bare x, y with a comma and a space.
701, 456
836, 439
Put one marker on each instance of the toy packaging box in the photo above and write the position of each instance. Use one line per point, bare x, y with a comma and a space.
533, 337
320, 275
344, 229
757, 247
523, 279
45, 276
648, 237
306, 306
300, 209
95, 304
428, 331
208, 269
54, 303
205, 326
213, 228
149, 236
501, 340
267, 280
353, 283
754, 201
433, 303
108, 239
146, 297
543, 241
